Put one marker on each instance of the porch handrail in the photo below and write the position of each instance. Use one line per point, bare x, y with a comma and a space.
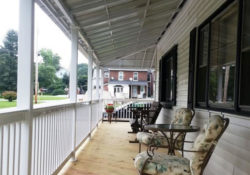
52, 135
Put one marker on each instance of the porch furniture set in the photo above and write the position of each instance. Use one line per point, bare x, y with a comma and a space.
172, 137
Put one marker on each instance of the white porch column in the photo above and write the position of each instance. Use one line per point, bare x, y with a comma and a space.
73, 64
73, 83
90, 68
25, 80
102, 83
97, 82
156, 85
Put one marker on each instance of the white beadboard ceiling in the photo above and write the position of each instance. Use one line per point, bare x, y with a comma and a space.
121, 33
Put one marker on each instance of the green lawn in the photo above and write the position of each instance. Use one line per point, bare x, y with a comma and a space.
41, 99
6, 104
50, 97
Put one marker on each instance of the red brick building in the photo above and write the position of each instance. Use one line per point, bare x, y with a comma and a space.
128, 83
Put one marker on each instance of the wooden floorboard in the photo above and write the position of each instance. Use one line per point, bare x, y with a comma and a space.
108, 152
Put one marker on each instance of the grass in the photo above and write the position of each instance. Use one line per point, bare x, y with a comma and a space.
50, 97
6, 104
41, 99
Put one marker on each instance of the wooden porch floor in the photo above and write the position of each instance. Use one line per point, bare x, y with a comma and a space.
108, 152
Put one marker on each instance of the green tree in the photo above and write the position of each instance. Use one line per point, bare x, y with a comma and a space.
46, 75
8, 62
56, 87
82, 76
65, 79
50, 59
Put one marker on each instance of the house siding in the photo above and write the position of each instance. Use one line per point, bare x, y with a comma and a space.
232, 154
142, 75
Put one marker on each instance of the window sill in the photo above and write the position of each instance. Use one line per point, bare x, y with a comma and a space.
226, 111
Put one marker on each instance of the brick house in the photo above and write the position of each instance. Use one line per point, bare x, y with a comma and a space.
128, 83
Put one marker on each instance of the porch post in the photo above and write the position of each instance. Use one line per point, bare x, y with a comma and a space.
97, 81
90, 68
156, 85
25, 80
102, 79
101, 94
73, 83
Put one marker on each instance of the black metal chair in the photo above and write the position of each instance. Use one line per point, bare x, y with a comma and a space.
144, 116
150, 163
183, 116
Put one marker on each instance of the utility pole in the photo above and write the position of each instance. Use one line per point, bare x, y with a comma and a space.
36, 77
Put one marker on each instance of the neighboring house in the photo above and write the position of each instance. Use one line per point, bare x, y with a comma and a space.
61, 72
128, 83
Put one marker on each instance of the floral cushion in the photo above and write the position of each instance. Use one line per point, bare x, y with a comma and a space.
162, 164
156, 139
203, 142
183, 116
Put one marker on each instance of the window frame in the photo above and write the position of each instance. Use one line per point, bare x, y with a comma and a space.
237, 108
191, 70
134, 76
106, 74
172, 53
120, 79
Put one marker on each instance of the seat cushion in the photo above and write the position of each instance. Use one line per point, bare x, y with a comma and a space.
162, 164
183, 116
155, 139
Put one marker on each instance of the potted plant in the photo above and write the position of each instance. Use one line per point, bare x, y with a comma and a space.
109, 108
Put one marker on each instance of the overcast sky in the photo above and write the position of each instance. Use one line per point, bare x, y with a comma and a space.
48, 34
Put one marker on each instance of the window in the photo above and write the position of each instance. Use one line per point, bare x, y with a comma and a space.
120, 76
135, 76
142, 88
118, 89
149, 77
217, 59
202, 64
223, 80
223, 58
244, 99
168, 67
106, 74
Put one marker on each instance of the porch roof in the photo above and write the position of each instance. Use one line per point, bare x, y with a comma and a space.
122, 33
139, 83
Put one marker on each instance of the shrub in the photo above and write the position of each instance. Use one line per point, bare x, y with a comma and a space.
9, 95
58, 92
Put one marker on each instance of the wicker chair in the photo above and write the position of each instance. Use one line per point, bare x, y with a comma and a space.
183, 116
204, 145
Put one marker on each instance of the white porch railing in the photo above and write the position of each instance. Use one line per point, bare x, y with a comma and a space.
52, 134
123, 110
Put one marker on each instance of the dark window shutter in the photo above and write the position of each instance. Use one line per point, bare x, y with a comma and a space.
192, 54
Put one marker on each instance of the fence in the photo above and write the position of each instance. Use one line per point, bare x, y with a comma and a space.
57, 132
123, 109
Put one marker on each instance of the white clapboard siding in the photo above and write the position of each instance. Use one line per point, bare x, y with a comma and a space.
232, 154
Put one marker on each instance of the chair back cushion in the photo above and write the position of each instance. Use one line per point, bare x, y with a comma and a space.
183, 116
206, 138
156, 106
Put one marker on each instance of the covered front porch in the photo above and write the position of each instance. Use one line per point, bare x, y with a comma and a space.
108, 152
198, 63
